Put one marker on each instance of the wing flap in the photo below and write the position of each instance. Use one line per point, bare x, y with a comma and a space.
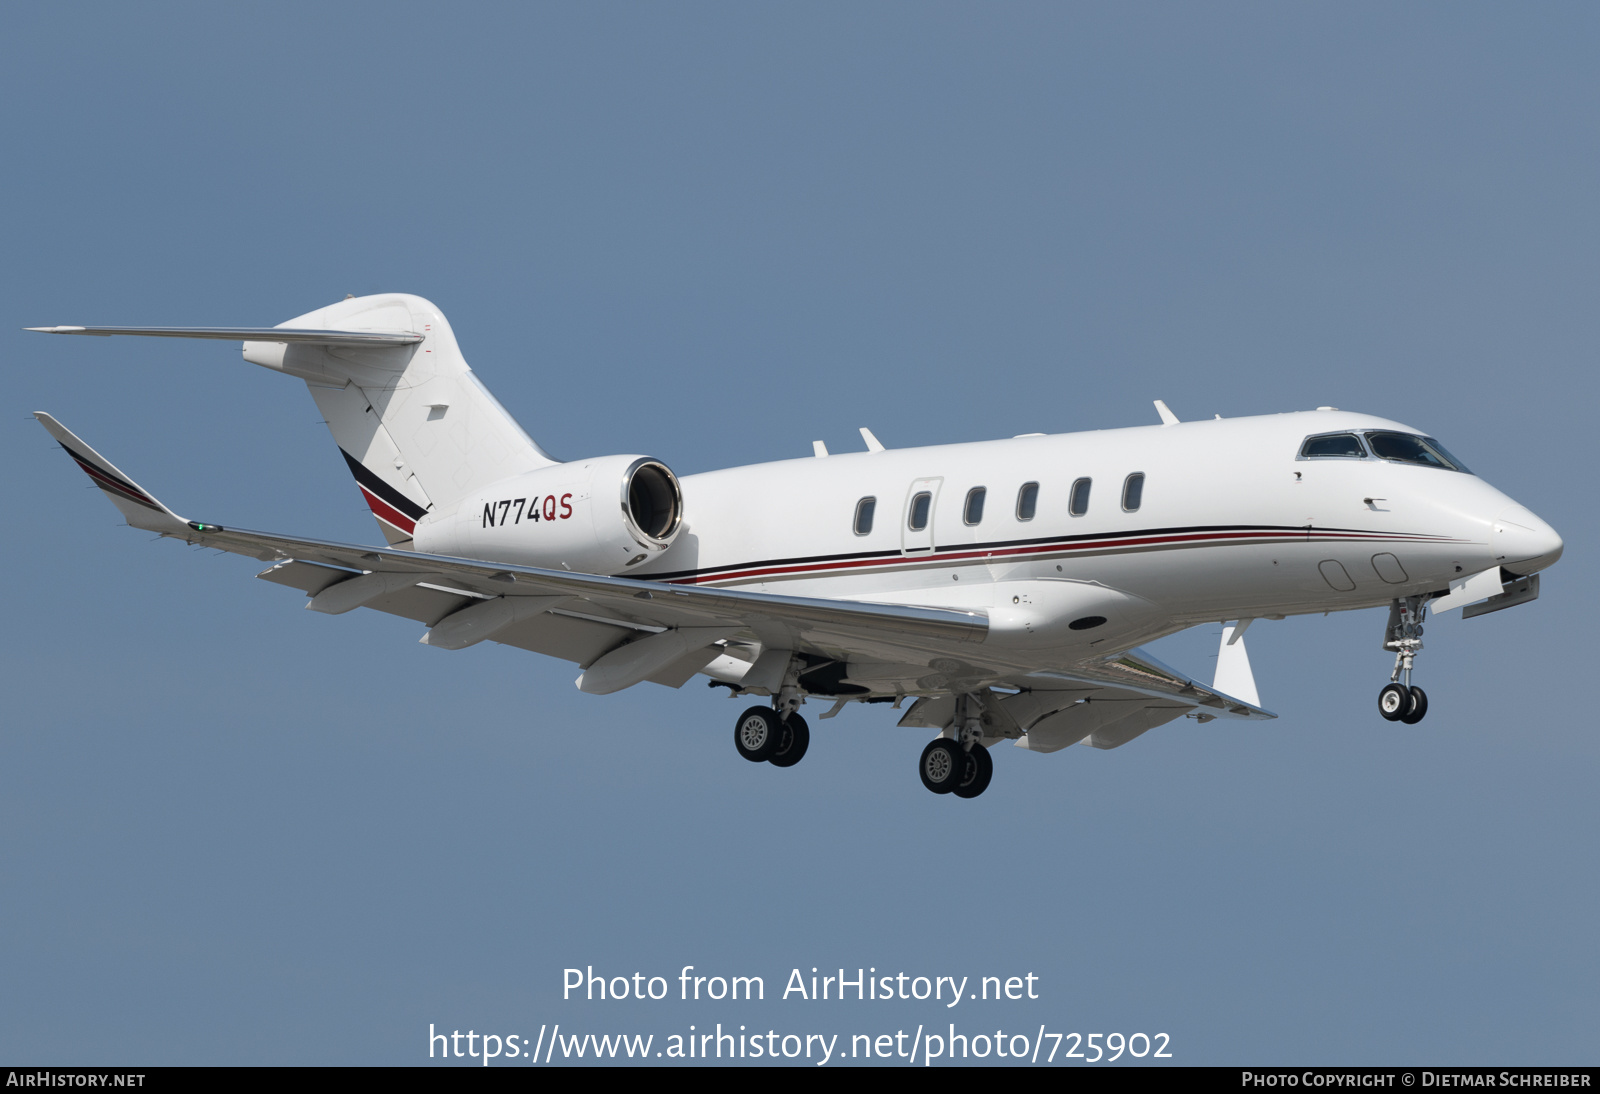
1138, 673
565, 637
633, 602
309, 577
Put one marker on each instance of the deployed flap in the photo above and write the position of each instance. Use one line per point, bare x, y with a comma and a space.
637, 661
483, 620
1138, 672
1100, 723
352, 593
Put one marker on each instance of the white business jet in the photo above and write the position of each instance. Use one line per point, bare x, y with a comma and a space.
1001, 587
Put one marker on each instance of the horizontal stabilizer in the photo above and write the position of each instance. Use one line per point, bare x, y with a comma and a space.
252, 334
138, 507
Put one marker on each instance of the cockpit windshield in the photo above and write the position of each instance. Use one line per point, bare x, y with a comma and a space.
1409, 448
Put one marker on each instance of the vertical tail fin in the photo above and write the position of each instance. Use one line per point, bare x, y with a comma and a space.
417, 429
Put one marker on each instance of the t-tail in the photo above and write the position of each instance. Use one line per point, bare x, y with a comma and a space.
416, 428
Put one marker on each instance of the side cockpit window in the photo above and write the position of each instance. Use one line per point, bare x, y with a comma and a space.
1335, 445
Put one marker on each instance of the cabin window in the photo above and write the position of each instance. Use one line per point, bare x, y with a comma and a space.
1338, 445
1133, 492
1027, 500
920, 505
1079, 504
1407, 448
973, 513
864, 510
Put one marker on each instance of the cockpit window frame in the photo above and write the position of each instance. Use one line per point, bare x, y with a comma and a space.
1369, 452
1361, 443
1451, 463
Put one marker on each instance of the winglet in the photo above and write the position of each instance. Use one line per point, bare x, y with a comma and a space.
138, 507
1167, 416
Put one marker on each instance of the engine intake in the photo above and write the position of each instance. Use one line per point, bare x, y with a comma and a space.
652, 501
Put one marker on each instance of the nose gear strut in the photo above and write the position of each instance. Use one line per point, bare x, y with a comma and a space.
1400, 700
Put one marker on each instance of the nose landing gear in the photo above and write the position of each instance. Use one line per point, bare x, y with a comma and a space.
1400, 700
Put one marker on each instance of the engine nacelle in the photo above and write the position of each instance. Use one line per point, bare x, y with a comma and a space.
600, 516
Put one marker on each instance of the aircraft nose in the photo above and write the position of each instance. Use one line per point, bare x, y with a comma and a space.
1523, 543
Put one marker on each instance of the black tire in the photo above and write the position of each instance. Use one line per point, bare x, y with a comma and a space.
757, 734
979, 769
1394, 702
942, 765
1419, 707
793, 741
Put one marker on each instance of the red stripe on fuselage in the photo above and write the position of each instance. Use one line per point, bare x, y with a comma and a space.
940, 558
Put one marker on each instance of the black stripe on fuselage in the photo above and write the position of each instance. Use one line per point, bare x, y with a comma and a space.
388, 494
1209, 535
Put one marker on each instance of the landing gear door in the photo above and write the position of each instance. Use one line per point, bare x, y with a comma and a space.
917, 517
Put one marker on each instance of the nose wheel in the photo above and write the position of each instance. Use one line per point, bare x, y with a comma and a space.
1398, 703
1400, 700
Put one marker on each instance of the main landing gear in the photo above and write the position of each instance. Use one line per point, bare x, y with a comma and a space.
1400, 700
960, 767
762, 735
949, 768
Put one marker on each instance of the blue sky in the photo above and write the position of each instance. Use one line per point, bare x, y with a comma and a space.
235, 831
